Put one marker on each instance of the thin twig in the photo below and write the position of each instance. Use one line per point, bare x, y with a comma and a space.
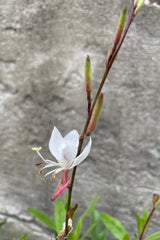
146, 223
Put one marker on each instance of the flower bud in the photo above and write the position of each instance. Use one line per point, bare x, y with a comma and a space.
138, 5
121, 24
96, 113
88, 74
156, 200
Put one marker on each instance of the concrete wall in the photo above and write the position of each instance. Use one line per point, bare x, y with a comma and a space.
42, 53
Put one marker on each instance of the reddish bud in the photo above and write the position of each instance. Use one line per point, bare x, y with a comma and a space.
72, 211
88, 74
121, 24
96, 113
156, 200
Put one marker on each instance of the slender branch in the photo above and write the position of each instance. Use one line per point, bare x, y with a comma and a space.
108, 67
146, 223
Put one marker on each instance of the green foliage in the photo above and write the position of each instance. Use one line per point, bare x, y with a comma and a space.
154, 236
1, 223
24, 237
88, 231
95, 229
141, 221
84, 215
78, 229
43, 218
97, 232
59, 214
115, 227
90, 208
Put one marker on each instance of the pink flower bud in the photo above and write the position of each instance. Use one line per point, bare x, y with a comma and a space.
121, 24
96, 113
88, 74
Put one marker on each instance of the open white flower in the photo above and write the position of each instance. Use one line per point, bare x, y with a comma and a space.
64, 149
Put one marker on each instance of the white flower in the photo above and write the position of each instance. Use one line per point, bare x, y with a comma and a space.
64, 149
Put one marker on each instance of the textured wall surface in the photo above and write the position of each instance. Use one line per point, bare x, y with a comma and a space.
42, 53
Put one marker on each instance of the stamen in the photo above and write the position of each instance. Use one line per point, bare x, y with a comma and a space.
41, 169
44, 179
53, 177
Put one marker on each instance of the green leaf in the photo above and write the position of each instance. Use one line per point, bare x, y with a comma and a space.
154, 236
1, 223
71, 236
126, 237
59, 214
88, 231
90, 208
141, 221
136, 236
83, 216
43, 218
103, 234
95, 218
114, 226
14, 238
24, 237
96, 232
78, 229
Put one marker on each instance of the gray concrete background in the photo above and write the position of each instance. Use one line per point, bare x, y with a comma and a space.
42, 54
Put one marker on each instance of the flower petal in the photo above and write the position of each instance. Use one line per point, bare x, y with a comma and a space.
54, 164
70, 151
83, 155
56, 145
55, 170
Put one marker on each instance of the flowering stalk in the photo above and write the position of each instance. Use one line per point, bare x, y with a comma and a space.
146, 223
108, 67
156, 202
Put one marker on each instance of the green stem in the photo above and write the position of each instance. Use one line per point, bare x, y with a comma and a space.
108, 67
146, 223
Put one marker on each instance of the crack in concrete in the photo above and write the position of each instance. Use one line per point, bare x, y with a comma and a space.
7, 215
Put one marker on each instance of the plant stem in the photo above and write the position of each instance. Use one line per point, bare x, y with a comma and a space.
108, 67
146, 223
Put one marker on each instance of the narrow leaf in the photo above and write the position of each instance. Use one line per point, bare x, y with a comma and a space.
59, 214
90, 208
114, 226
78, 229
43, 218
154, 236
141, 221
103, 234
71, 236
126, 237
24, 237
87, 232
95, 218
1, 223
